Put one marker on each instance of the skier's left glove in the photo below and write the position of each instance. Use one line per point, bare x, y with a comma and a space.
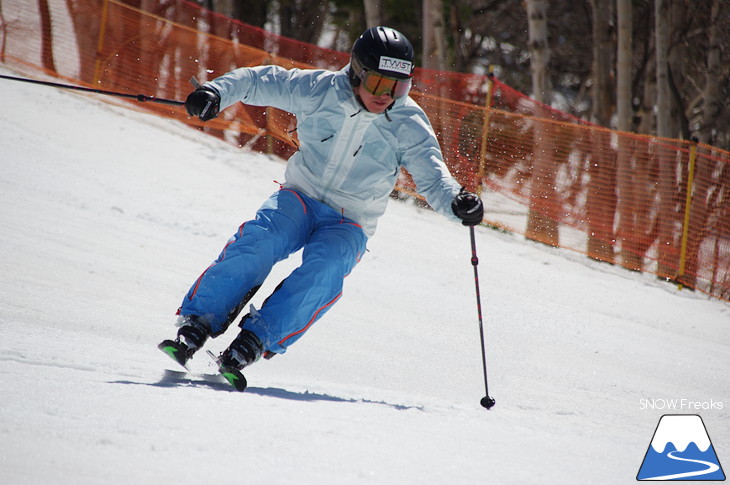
468, 207
203, 103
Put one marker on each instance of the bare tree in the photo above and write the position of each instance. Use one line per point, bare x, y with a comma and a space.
626, 173
666, 164
540, 226
602, 92
712, 99
663, 99
624, 65
434, 40
539, 49
701, 203
601, 201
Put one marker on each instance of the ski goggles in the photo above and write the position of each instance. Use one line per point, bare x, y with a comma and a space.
378, 85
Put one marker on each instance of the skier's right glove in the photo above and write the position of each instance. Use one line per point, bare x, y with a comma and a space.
203, 103
468, 207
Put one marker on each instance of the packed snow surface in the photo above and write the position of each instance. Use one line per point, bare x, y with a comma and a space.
108, 215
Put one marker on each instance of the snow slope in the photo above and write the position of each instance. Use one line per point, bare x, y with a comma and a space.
107, 215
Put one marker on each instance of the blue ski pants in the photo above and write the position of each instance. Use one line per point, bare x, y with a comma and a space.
287, 222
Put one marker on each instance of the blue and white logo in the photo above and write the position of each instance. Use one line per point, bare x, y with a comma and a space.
681, 450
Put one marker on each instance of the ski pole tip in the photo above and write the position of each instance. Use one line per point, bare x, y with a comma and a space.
487, 402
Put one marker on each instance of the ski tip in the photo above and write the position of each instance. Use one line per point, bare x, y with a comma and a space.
232, 375
234, 378
175, 351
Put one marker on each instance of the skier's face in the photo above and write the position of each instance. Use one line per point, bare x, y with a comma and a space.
374, 104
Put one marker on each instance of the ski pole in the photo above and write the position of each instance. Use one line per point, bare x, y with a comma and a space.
138, 97
486, 401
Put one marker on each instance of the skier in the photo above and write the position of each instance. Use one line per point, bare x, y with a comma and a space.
356, 128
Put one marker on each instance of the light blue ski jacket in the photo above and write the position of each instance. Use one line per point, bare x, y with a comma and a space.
348, 157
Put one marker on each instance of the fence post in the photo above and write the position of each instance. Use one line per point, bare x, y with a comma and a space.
485, 130
687, 207
100, 43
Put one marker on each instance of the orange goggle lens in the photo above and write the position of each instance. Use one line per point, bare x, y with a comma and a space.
378, 85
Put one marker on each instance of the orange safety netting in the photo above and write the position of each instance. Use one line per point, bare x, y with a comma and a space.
647, 203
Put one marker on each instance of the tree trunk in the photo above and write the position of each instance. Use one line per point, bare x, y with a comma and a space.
539, 49
434, 39
47, 36
373, 12
623, 66
699, 212
630, 233
86, 30
542, 225
543, 198
603, 49
663, 100
667, 263
601, 200
434, 57
712, 99
631, 257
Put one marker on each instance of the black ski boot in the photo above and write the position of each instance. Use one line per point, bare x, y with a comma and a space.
191, 336
244, 350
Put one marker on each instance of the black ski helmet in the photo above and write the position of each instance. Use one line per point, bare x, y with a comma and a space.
383, 50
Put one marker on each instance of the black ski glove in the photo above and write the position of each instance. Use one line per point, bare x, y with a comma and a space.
203, 103
468, 207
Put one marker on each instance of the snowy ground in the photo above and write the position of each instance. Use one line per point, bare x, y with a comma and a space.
107, 215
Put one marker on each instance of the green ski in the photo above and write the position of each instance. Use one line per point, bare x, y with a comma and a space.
176, 351
232, 375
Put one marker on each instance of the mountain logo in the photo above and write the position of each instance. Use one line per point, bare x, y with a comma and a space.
681, 450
